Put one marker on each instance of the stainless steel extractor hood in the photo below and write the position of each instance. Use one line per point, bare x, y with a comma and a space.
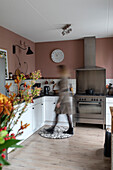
90, 54
90, 76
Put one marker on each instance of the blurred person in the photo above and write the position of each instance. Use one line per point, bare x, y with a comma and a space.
63, 105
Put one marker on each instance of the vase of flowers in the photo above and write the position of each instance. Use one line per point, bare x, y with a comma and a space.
9, 106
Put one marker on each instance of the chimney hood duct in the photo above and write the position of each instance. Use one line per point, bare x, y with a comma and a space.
89, 52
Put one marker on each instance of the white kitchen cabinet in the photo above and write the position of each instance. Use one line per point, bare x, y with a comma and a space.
25, 118
34, 116
50, 103
109, 103
17, 126
38, 113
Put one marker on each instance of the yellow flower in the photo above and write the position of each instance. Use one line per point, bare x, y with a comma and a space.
5, 105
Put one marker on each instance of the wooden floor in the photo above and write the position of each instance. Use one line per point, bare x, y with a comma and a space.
83, 151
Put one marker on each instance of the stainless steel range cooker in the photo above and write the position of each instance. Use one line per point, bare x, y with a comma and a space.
90, 98
90, 109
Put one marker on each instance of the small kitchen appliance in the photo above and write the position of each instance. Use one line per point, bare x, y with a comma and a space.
46, 90
38, 85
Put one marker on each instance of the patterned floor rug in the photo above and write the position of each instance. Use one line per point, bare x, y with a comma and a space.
57, 134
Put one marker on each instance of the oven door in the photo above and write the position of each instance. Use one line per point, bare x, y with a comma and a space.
90, 109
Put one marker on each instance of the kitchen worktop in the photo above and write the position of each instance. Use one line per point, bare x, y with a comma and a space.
109, 96
95, 95
50, 94
43, 95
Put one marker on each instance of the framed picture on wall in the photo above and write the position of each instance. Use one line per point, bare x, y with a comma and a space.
3, 53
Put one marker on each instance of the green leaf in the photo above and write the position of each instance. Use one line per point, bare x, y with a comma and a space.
16, 146
3, 161
9, 143
2, 140
3, 133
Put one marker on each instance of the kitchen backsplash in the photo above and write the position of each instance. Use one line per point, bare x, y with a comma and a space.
109, 81
42, 81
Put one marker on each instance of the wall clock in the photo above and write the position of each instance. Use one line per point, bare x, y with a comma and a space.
57, 56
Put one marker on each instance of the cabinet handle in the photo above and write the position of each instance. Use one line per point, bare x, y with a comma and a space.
53, 103
32, 107
42, 104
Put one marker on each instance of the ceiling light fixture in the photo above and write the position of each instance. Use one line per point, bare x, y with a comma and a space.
29, 51
66, 29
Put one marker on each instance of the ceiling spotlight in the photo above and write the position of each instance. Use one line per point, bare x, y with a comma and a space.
66, 26
63, 33
66, 29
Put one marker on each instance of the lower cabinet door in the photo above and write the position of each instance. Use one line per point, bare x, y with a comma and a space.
108, 119
26, 118
49, 111
108, 113
29, 121
38, 116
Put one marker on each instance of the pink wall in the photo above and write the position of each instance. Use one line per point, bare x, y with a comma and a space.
104, 55
73, 56
7, 39
73, 52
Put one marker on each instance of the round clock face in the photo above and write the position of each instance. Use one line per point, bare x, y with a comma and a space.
57, 56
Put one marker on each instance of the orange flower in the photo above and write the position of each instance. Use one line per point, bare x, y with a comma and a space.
8, 86
12, 97
23, 126
28, 87
17, 80
1, 109
1, 104
107, 86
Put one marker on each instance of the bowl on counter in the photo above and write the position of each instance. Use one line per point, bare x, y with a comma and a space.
55, 91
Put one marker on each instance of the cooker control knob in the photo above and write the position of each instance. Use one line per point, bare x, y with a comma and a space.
100, 99
94, 99
91, 99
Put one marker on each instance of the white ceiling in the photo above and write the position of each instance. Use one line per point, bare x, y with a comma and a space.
42, 20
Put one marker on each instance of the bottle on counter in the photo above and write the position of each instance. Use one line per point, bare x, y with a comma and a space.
10, 75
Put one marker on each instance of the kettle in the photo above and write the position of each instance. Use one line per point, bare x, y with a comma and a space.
90, 91
46, 90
